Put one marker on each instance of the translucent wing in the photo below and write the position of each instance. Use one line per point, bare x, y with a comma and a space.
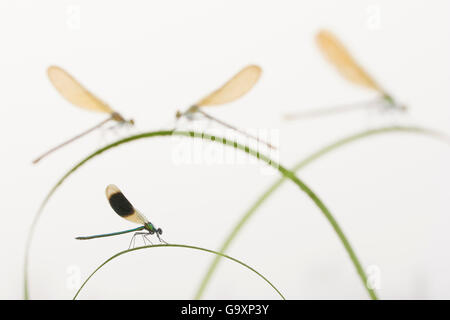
235, 88
74, 92
120, 204
338, 55
137, 217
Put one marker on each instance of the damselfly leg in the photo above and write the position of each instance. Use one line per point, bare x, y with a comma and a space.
144, 238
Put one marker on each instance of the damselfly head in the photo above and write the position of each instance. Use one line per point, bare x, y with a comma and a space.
233, 89
158, 234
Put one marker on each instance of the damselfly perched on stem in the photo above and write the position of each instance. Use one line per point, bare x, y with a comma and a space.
120, 204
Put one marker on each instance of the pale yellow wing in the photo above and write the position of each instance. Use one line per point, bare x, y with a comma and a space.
235, 88
74, 92
339, 56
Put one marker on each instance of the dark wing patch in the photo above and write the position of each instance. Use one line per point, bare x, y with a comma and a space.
121, 205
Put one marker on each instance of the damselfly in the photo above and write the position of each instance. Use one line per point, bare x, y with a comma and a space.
125, 209
336, 53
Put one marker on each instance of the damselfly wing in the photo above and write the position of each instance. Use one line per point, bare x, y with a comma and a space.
336, 53
74, 92
233, 89
120, 204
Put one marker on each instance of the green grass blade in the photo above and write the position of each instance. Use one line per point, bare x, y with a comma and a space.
178, 246
166, 133
303, 163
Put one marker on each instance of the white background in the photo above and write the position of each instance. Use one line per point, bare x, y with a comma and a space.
147, 59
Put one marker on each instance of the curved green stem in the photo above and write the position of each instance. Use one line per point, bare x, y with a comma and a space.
303, 163
285, 172
178, 246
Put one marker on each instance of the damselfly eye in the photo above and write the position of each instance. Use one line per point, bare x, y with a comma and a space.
159, 231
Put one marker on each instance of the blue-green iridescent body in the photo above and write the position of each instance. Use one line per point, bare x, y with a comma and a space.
111, 234
150, 227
